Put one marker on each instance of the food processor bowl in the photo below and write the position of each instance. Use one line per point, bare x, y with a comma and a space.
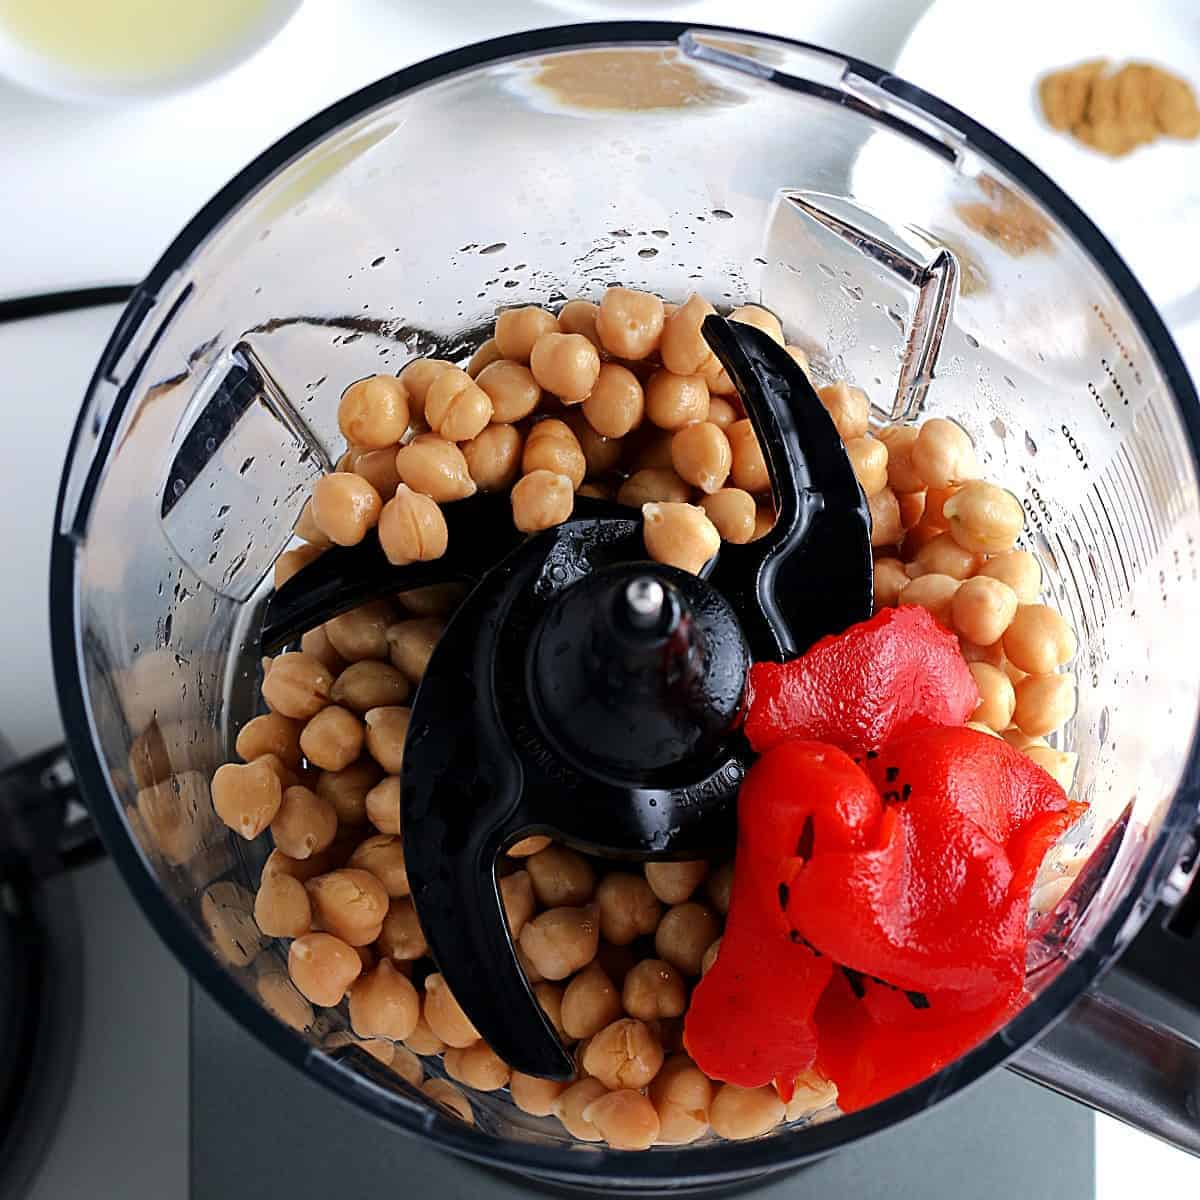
904, 247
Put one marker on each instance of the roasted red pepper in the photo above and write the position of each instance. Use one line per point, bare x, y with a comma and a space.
896, 673
877, 926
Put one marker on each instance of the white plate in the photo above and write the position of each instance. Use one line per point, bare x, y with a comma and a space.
987, 58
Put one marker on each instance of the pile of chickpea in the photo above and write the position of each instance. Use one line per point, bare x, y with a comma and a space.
621, 399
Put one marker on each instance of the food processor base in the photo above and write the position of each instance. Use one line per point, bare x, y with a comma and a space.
260, 1129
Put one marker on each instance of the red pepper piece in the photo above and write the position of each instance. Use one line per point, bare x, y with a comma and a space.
750, 1019
881, 1041
939, 904
884, 678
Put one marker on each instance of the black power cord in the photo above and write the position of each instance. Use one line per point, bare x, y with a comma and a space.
47, 304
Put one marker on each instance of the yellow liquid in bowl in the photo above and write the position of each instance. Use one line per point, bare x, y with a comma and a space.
127, 40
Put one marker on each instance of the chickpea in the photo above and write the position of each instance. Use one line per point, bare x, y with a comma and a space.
384, 1004
380, 1049
246, 797
286, 776
436, 600
1060, 765
616, 403
681, 1094
1038, 640
487, 354
701, 456
651, 485
411, 643
541, 500
322, 967
565, 364
1044, 703
934, 512
445, 1016
630, 323
732, 511
512, 389
422, 1039
1020, 570
868, 458
552, 446
849, 408
628, 908
561, 940
378, 468
494, 457
1021, 741
373, 412
912, 508
684, 933
759, 318
305, 823
813, 1093
885, 518
571, 1104
654, 989
674, 882
408, 1066
281, 907
738, 1113
297, 686
401, 938
890, 580
268, 734
532, 1095
412, 528
589, 1003
527, 846
349, 903
291, 562
800, 358
516, 894
982, 609
387, 728
456, 407
302, 869
279, 996
972, 652
579, 316
532, 974
600, 454
518, 329
625, 1054
549, 997
934, 592
942, 555
675, 401
368, 684
383, 805
984, 518
306, 527
347, 790
720, 887
450, 1098
332, 739
345, 507
360, 633
922, 533
436, 468
943, 455
680, 535
416, 377
721, 413
478, 1067
382, 855
560, 877
625, 1119
996, 697
749, 467
710, 957
316, 644
684, 350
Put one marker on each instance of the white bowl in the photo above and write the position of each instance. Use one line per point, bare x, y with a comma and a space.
40, 72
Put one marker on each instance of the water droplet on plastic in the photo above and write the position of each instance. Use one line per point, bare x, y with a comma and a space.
494, 248
378, 262
1030, 444
999, 428
648, 252
722, 214
971, 341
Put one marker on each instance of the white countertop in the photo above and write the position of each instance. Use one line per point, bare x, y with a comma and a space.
92, 195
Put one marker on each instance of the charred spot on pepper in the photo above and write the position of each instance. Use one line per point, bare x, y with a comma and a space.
784, 894
798, 939
857, 982
892, 797
906, 791
917, 999
804, 847
891, 774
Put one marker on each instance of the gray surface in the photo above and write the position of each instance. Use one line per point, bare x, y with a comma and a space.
124, 1129
261, 1130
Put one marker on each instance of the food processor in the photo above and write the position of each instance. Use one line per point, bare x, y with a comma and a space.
920, 258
